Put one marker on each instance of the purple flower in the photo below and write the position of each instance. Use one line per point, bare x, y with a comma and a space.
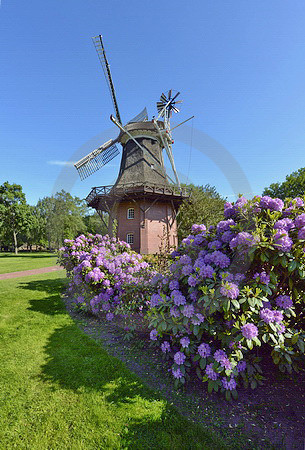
299, 221
218, 258
155, 300
185, 342
219, 355
274, 204
282, 241
153, 335
297, 201
278, 316
225, 225
243, 239
174, 312
204, 350
165, 347
178, 298
192, 281
185, 259
109, 316
211, 374
284, 224
301, 233
174, 284
215, 245
227, 236
249, 331
284, 301
199, 239
241, 366
230, 290
206, 271
267, 315
197, 319
198, 228
188, 310
229, 385
187, 270
263, 277
177, 373
179, 358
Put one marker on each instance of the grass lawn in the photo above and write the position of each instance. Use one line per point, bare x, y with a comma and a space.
9, 262
60, 390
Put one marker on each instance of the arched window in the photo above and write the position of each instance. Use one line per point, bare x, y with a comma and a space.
130, 213
129, 238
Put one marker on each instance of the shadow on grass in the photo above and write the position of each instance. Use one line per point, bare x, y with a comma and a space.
27, 255
51, 305
76, 362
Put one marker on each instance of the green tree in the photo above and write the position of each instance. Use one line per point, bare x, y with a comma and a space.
64, 217
205, 205
293, 186
14, 212
95, 224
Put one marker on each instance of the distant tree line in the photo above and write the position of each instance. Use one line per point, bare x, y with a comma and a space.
45, 225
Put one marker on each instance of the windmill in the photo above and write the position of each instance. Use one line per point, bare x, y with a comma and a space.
144, 199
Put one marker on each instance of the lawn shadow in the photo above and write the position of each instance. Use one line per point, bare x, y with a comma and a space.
77, 362
51, 305
27, 255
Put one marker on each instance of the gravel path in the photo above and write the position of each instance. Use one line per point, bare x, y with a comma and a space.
25, 273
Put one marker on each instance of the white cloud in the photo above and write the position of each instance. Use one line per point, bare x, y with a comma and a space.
61, 163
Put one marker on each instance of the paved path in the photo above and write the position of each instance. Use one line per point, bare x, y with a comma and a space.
24, 273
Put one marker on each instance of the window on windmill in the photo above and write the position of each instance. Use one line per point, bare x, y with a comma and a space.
129, 238
130, 213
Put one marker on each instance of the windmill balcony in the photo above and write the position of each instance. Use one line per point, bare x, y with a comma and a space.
115, 193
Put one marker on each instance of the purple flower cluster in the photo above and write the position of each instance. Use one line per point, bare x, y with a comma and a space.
284, 301
243, 239
229, 385
179, 358
282, 241
230, 290
198, 228
165, 347
263, 277
210, 372
249, 331
274, 204
269, 316
204, 350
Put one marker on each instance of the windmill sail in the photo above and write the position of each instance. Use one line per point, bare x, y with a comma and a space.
141, 117
98, 43
97, 159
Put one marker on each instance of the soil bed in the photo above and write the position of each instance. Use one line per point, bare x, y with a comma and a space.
272, 416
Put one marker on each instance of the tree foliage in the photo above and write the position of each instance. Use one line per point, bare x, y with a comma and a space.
205, 205
14, 213
293, 186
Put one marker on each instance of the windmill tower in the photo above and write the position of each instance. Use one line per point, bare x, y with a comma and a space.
144, 199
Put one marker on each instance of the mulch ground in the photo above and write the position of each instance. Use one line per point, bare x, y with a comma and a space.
271, 416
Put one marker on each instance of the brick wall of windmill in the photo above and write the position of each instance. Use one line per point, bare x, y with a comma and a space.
148, 227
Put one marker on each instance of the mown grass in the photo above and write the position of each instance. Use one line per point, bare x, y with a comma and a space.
9, 262
60, 390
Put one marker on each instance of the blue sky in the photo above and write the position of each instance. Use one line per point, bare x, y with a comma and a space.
239, 65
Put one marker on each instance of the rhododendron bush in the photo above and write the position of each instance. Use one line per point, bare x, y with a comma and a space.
231, 289
104, 273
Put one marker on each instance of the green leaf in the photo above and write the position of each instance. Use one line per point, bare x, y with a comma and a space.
234, 394
236, 304
202, 363
294, 339
226, 305
249, 344
301, 344
292, 265
228, 396
198, 373
210, 386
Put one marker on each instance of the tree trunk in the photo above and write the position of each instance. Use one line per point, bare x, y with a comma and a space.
15, 242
